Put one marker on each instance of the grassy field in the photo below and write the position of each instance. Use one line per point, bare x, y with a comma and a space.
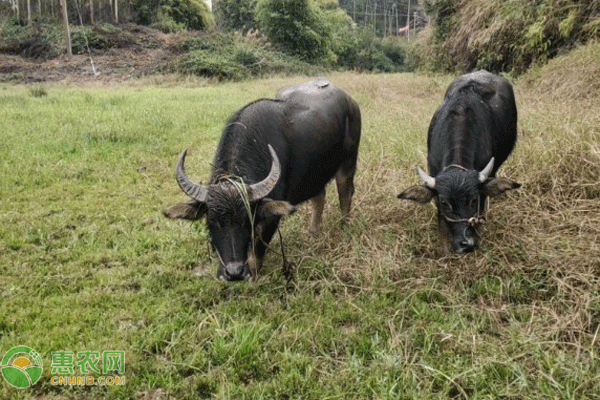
88, 263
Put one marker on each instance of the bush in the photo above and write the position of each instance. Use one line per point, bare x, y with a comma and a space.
234, 57
210, 65
506, 36
371, 53
297, 27
217, 42
82, 37
166, 24
174, 15
235, 15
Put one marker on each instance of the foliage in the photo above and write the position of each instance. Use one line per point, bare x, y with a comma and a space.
318, 32
234, 57
84, 37
506, 36
341, 28
19, 39
174, 15
235, 15
296, 26
209, 64
370, 53
383, 17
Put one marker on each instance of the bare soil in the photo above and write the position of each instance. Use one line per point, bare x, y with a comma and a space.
123, 60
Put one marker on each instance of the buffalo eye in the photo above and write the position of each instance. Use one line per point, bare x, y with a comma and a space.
474, 202
446, 204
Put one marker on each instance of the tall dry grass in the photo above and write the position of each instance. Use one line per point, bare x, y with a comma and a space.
542, 242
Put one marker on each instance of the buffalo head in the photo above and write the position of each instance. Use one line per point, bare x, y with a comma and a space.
461, 201
235, 213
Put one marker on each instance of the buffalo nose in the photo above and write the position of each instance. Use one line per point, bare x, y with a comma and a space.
467, 245
236, 271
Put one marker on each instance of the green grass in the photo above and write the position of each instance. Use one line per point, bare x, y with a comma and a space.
87, 262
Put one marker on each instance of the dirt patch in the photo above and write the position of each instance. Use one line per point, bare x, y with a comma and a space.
145, 55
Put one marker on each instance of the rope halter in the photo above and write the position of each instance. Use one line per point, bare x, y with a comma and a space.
473, 221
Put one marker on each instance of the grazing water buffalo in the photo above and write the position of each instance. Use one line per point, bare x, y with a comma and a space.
470, 136
273, 154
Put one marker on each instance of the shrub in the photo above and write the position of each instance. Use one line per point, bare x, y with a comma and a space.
218, 42
506, 36
166, 24
235, 15
234, 57
371, 53
297, 27
174, 15
208, 64
82, 37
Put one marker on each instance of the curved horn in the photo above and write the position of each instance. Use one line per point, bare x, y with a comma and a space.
194, 190
485, 173
428, 180
260, 189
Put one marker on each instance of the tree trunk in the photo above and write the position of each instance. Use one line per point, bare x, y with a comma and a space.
29, 16
116, 11
408, 20
92, 12
65, 16
15, 8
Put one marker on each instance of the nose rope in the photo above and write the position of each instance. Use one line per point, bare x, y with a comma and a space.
287, 267
473, 221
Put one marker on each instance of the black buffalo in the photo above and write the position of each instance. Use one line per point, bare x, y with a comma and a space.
470, 136
273, 155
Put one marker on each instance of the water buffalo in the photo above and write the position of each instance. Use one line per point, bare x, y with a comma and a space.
273, 155
470, 135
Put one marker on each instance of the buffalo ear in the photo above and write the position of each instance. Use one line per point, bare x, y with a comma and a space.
275, 208
496, 186
420, 193
192, 211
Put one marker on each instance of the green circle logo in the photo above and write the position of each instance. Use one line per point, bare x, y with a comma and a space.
21, 367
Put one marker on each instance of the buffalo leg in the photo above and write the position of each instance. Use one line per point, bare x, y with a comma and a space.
317, 203
256, 257
444, 230
344, 179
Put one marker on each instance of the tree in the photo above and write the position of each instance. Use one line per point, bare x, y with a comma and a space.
63, 6
92, 12
236, 15
297, 27
15, 8
29, 17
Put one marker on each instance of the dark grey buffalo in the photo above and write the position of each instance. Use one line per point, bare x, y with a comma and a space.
470, 136
273, 155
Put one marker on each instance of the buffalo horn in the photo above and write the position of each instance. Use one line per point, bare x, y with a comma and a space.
483, 175
194, 190
428, 180
260, 189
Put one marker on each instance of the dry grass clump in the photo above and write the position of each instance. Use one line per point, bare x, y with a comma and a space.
540, 248
484, 35
507, 36
573, 75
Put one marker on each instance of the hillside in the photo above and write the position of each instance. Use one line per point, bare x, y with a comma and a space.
574, 75
503, 36
132, 51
